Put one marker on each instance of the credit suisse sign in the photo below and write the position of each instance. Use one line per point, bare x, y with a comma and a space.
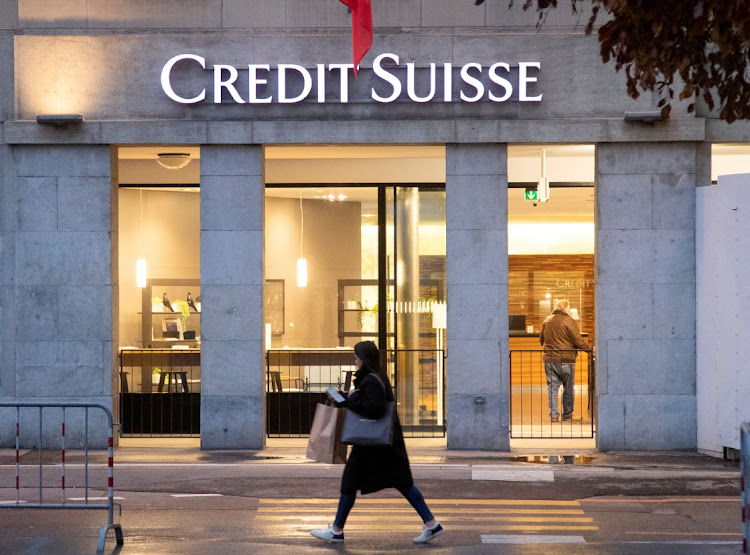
292, 83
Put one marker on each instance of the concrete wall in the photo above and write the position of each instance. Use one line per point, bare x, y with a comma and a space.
723, 338
239, 14
232, 363
477, 291
59, 299
645, 296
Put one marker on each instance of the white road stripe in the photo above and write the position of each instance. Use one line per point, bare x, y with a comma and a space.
197, 495
689, 542
13, 502
527, 538
92, 498
512, 474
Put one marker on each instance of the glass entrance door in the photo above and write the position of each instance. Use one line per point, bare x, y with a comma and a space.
415, 268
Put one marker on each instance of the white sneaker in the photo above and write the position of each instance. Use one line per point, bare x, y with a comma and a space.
329, 535
429, 533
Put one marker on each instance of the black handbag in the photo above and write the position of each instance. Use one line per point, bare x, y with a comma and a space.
360, 430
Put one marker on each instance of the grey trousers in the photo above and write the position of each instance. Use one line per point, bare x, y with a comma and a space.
561, 373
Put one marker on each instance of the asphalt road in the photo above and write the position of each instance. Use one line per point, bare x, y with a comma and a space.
232, 506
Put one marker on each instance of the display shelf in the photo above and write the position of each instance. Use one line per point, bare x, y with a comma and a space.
148, 334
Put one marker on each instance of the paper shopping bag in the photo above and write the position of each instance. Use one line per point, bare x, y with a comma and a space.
325, 443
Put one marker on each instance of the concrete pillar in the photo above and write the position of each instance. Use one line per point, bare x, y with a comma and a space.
57, 289
232, 355
478, 385
645, 296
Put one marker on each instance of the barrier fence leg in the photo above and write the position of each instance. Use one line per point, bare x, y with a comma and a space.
110, 499
744, 471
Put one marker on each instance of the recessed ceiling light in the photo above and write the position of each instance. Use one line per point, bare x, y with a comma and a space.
173, 160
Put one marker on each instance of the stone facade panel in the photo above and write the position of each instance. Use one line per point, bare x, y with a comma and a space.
36, 204
234, 314
646, 256
625, 202
472, 425
674, 201
646, 158
232, 422
231, 160
242, 371
467, 366
474, 255
466, 213
231, 203
651, 367
83, 204
231, 257
479, 159
624, 311
674, 311
84, 313
660, 422
67, 160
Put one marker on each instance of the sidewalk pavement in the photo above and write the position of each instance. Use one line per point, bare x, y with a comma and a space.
429, 458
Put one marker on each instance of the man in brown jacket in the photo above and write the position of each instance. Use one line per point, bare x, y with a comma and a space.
560, 332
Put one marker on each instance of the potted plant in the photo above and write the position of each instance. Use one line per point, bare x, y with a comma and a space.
155, 376
184, 309
157, 305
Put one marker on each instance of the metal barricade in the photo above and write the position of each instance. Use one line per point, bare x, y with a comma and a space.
744, 477
64, 504
529, 395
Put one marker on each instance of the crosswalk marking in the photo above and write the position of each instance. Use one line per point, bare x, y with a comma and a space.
489, 518
527, 539
400, 500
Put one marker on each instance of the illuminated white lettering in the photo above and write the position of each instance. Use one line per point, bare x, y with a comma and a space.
306, 79
343, 79
227, 84
410, 84
472, 82
166, 83
504, 83
377, 68
253, 83
523, 79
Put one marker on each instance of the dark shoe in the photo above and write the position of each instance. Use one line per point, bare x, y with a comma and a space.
166, 302
555, 419
576, 420
428, 534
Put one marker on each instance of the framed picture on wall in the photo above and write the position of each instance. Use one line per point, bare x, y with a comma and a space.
273, 300
171, 328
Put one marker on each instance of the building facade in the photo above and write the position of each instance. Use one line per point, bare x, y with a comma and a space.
235, 83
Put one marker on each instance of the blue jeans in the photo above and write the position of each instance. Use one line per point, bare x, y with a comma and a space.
561, 373
413, 496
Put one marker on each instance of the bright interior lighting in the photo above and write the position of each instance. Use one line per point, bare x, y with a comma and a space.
140, 272
302, 272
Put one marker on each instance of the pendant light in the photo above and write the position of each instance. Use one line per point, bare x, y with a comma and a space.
140, 264
301, 261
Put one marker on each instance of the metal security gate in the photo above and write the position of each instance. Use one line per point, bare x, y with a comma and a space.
529, 401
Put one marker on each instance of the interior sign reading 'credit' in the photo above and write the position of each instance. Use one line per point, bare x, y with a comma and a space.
294, 83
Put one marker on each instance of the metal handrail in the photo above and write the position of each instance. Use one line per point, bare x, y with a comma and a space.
109, 506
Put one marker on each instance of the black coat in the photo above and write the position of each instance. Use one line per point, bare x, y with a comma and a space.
372, 468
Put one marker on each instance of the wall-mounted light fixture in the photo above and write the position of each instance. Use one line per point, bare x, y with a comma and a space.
173, 160
140, 263
301, 261
58, 119
645, 117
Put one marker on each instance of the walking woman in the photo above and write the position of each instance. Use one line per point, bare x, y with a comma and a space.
372, 468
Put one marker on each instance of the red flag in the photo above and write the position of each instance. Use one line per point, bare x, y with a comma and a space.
361, 28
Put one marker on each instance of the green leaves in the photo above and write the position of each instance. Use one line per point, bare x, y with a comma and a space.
704, 42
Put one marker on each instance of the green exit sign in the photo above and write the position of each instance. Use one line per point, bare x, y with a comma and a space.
531, 194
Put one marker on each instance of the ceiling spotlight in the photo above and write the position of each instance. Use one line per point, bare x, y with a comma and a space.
173, 160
